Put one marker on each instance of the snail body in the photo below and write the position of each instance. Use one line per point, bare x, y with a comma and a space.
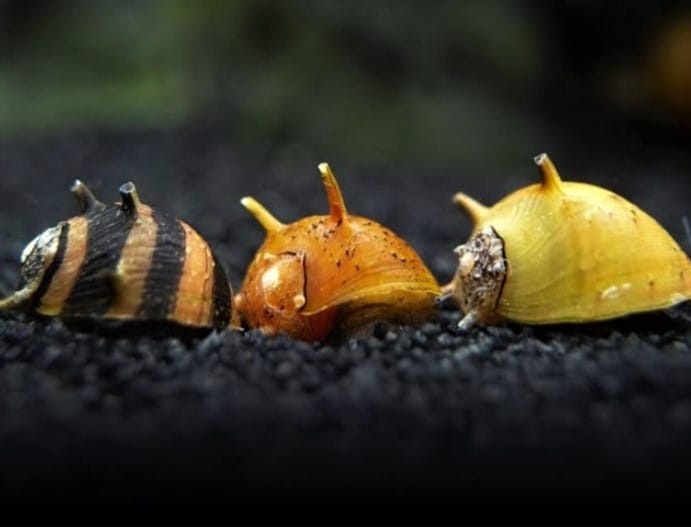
562, 251
333, 273
123, 262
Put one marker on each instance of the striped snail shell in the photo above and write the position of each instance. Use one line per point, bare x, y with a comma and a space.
123, 262
333, 275
564, 251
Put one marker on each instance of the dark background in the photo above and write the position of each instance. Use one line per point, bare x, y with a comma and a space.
201, 103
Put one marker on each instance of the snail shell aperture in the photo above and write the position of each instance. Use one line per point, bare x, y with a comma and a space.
123, 262
331, 274
563, 251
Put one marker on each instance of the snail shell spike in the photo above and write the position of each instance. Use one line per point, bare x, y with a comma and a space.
550, 177
263, 216
475, 210
337, 208
131, 203
85, 198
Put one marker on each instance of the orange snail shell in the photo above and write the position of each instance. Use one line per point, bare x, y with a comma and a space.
334, 273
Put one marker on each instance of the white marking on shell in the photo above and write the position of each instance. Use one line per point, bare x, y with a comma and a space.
299, 301
45, 243
614, 291
270, 278
466, 262
677, 298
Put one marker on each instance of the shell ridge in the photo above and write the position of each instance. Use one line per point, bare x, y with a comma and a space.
164, 273
506, 272
93, 290
518, 299
351, 292
222, 309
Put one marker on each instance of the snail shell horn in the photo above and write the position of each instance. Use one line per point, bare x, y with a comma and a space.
476, 211
85, 198
550, 177
131, 204
263, 216
337, 208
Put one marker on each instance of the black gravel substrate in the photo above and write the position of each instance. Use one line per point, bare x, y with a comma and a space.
565, 424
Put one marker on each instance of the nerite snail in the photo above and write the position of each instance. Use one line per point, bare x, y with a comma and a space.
337, 273
563, 251
123, 262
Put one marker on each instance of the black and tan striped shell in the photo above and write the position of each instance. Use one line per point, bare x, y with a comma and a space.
123, 262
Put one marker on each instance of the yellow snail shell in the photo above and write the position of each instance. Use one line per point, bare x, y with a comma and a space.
563, 251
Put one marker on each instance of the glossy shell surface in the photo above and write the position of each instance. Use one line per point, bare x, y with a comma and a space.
573, 252
335, 272
126, 261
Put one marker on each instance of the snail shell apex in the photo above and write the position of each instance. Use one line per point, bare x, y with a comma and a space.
332, 273
564, 252
123, 262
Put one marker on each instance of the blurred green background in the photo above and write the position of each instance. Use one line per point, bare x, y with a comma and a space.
429, 82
